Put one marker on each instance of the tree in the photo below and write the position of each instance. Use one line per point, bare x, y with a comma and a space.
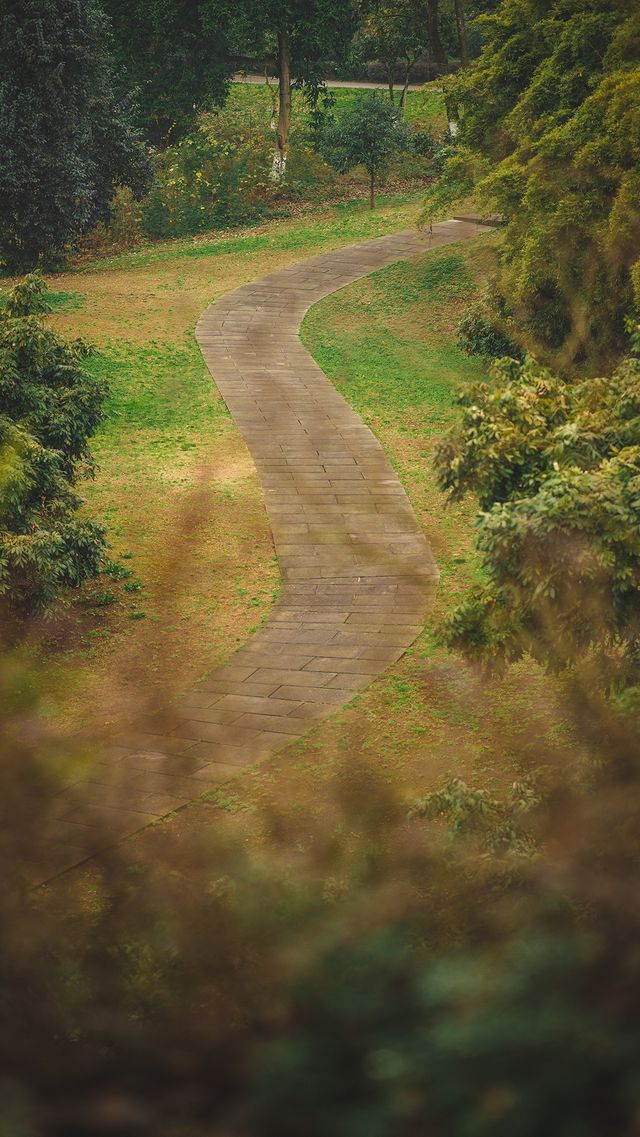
178, 56
66, 137
555, 467
368, 134
435, 39
305, 34
461, 25
393, 32
550, 138
50, 406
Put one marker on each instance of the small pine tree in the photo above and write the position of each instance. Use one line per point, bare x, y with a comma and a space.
50, 406
368, 134
65, 137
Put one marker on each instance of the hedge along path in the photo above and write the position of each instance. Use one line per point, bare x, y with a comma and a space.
358, 576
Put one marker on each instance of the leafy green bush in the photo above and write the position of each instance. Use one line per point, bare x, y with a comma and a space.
369, 134
424, 142
556, 469
121, 230
549, 138
485, 327
208, 180
50, 406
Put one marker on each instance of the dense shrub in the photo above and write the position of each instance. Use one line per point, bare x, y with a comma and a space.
550, 138
66, 134
49, 407
556, 470
122, 230
424, 142
207, 182
487, 327
218, 177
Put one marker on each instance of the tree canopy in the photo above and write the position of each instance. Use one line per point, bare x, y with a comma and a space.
395, 33
177, 56
550, 138
50, 406
66, 135
367, 134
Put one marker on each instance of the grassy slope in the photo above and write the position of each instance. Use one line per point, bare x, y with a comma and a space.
388, 343
250, 103
175, 485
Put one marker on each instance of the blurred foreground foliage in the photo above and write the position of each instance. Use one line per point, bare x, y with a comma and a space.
378, 977
550, 138
49, 408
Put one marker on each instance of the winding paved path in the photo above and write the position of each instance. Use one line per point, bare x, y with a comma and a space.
358, 576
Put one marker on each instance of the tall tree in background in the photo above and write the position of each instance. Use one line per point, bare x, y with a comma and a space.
435, 39
461, 25
550, 138
65, 136
177, 56
305, 34
394, 32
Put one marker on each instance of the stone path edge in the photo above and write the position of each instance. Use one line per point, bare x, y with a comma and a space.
358, 577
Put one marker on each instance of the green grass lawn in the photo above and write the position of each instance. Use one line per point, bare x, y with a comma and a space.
250, 105
339, 223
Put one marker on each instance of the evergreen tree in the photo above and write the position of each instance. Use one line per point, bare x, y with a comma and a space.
65, 135
177, 56
49, 407
550, 138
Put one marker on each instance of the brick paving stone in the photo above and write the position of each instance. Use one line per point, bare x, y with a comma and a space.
279, 723
358, 574
308, 694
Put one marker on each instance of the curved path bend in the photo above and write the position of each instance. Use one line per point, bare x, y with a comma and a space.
358, 576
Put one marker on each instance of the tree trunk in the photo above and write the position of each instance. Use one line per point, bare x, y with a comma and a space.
390, 80
409, 64
461, 23
372, 190
274, 99
451, 107
279, 166
435, 40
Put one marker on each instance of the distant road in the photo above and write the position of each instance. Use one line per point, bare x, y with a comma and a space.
356, 83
